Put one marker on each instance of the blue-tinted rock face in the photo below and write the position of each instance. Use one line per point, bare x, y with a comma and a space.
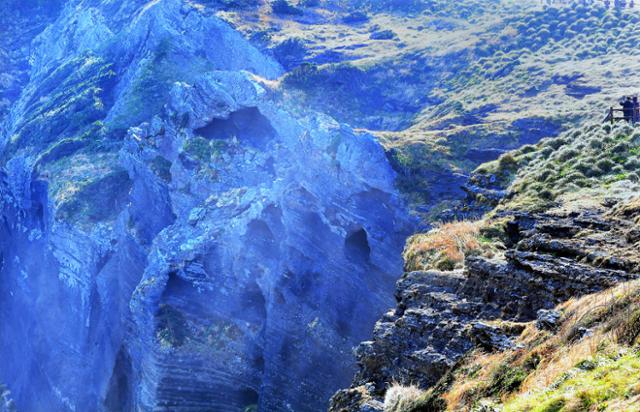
173, 236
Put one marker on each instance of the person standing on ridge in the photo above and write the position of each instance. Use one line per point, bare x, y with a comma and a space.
627, 109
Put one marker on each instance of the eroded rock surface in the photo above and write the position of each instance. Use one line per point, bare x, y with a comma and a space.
440, 316
173, 237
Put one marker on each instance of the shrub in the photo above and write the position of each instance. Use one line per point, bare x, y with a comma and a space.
556, 143
172, 330
528, 148
543, 175
629, 331
161, 167
290, 53
621, 147
236, 4
411, 399
633, 163
506, 379
356, 18
585, 167
382, 35
595, 143
546, 194
303, 76
573, 177
553, 405
546, 152
605, 165
284, 7
508, 161
445, 247
567, 154
198, 148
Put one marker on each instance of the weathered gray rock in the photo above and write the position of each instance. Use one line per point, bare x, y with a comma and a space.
548, 319
442, 315
490, 338
173, 237
270, 254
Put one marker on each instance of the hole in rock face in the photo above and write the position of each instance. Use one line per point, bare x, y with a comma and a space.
287, 349
119, 394
39, 190
344, 328
249, 126
261, 236
356, 247
253, 304
212, 262
249, 399
258, 362
172, 328
302, 284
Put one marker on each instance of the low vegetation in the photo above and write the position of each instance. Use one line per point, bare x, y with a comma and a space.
74, 99
458, 81
445, 247
411, 399
589, 162
402, 398
592, 363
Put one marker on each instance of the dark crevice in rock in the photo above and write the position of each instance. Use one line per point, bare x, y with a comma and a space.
248, 125
119, 394
356, 247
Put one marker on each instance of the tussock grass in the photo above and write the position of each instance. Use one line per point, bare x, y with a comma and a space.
401, 398
591, 363
445, 247
584, 162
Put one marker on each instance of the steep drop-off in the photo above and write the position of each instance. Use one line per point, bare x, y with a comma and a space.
566, 226
173, 237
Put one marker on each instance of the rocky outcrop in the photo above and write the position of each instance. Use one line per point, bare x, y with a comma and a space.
440, 316
173, 236
239, 301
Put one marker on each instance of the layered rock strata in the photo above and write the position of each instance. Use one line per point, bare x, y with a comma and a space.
173, 237
440, 316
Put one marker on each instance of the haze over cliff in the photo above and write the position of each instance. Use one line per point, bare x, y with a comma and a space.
205, 203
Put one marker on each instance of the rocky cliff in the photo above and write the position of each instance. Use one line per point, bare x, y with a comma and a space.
441, 316
586, 241
203, 202
174, 237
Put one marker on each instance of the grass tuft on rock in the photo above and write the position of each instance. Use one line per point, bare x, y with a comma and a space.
445, 247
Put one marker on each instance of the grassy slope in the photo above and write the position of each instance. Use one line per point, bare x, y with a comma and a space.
456, 77
562, 67
557, 371
581, 169
550, 372
583, 166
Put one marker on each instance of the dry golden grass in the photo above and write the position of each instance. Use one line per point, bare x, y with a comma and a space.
445, 247
401, 398
630, 209
607, 314
481, 368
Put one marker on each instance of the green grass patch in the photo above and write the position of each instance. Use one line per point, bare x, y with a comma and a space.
595, 388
